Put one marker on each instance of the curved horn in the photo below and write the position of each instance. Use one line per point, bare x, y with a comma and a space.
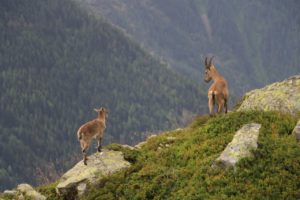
210, 61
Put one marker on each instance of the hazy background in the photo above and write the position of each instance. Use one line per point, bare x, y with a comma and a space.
141, 59
255, 42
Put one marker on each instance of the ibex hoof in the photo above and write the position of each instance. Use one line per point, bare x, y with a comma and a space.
84, 162
99, 149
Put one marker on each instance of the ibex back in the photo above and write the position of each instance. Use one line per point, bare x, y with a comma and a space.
218, 92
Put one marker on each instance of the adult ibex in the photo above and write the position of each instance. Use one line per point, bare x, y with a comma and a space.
218, 91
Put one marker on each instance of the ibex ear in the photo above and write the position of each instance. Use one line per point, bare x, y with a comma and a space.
95, 109
207, 64
210, 61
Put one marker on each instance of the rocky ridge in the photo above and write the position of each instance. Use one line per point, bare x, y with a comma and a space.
76, 181
281, 96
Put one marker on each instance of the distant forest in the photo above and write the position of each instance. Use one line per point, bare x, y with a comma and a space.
254, 42
57, 63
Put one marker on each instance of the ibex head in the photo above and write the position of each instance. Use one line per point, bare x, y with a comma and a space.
208, 69
101, 111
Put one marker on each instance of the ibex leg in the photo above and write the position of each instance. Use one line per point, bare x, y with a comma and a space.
211, 103
225, 105
220, 106
99, 140
84, 149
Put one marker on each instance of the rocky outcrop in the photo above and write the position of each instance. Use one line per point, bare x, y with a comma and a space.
296, 131
243, 142
280, 96
24, 191
75, 182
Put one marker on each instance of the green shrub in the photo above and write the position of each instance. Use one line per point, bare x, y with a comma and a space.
49, 191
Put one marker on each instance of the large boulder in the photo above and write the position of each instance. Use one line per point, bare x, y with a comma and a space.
243, 142
280, 96
24, 191
75, 182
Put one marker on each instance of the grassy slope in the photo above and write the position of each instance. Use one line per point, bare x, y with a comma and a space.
182, 170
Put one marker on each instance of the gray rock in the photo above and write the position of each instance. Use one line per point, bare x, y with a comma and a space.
140, 145
21, 197
27, 191
128, 146
296, 131
151, 136
170, 138
10, 193
81, 188
243, 142
280, 96
76, 180
24, 187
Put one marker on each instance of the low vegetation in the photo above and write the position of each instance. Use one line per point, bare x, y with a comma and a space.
49, 191
177, 164
181, 168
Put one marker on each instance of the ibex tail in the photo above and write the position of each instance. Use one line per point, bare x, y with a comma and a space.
213, 95
79, 135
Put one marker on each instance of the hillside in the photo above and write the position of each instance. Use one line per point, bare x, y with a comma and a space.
182, 169
178, 164
57, 63
255, 42
182, 163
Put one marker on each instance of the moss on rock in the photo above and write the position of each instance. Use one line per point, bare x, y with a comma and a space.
280, 96
241, 146
75, 181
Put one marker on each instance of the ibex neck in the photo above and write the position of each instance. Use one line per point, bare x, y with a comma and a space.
215, 75
101, 116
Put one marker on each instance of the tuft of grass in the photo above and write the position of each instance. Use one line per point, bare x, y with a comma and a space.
49, 191
6, 197
181, 168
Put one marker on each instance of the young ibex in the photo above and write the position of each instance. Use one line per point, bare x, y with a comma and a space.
90, 130
218, 91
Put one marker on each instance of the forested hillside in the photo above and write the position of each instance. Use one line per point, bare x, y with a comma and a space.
255, 42
56, 64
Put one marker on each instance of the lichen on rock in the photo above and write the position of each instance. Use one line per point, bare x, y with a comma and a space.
280, 96
76, 180
28, 192
243, 142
